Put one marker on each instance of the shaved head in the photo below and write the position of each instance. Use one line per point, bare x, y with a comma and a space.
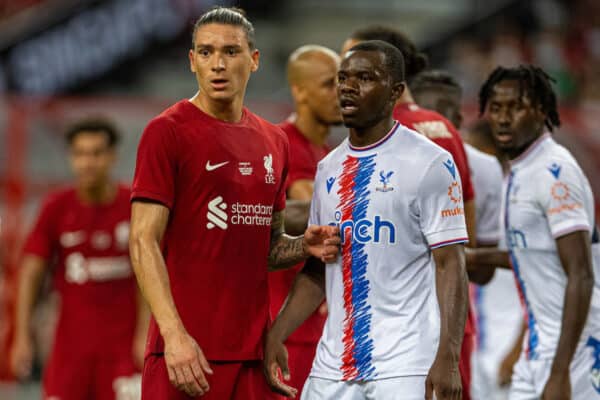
303, 62
312, 72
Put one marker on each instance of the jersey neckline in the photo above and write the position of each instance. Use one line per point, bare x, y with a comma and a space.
377, 143
531, 150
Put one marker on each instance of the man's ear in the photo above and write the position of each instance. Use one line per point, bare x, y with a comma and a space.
397, 90
255, 60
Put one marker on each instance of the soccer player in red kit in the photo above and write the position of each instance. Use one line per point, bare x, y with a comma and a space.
311, 73
81, 238
440, 131
207, 203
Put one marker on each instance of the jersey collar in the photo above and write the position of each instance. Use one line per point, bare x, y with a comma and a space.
377, 143
532, 150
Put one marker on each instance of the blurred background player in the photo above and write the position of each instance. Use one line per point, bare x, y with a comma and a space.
311, 72
382, 339
207, 221
496, 304
441, 131
548, 211
81, 239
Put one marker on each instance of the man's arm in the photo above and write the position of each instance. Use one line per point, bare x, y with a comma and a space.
301, 189
576, 259
185, 361
29, 283
296, 216
451, 287
306, 295
471, 222
487, 257
319, 241
141, 330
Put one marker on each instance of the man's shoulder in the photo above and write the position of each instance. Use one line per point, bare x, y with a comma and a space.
480, 160
420, 147
427, 122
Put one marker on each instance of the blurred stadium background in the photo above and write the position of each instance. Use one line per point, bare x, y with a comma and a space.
127, 59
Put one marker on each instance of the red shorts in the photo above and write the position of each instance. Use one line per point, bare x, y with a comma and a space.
71, 376
465, 364
230, 381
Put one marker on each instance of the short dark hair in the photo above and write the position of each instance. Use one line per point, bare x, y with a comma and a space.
94, 124
414, 60
226, 16
393, 59
533, 82
435, 79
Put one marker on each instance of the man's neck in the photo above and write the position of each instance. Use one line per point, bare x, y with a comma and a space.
228, 111
103, 193
371, 135
315, 131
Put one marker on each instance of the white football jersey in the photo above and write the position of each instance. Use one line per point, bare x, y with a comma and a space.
486, 175
496, 305
394, 202
546, 196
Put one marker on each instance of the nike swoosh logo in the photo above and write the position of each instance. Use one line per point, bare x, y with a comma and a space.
214, 166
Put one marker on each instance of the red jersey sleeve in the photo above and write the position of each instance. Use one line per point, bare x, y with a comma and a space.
156, 164
283, 182
42, 238
455, 146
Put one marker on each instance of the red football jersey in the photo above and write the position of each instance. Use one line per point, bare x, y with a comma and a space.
304, 157
88, 253
441, 131
222, 182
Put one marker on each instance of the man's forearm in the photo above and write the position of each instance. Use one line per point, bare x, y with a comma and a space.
578, 295
153, 280
471, 222
488, 257
306, 295
451, 286
30, 280
143, 314
286, 251
296, 216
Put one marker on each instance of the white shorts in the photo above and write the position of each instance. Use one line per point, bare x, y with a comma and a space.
530, 376
400, 388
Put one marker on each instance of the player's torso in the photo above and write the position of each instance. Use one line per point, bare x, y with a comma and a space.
538, 270
227, 181
92, 271
385, 263
93, 242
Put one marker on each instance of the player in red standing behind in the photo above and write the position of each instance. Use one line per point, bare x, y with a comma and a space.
207, 219
443, 133
81, 238
311, 72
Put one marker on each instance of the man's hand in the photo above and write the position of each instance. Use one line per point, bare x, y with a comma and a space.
186, 363
21, 357
443, 380
506, 368
558, 387
276, 358
322, 242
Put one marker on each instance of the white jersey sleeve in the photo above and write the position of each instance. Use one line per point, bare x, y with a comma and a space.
440, 204
562, 196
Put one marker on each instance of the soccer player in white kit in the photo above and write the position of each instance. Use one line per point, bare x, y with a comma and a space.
495, 302
397, 296
548, 212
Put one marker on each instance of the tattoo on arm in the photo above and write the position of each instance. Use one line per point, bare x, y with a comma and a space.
285, 250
